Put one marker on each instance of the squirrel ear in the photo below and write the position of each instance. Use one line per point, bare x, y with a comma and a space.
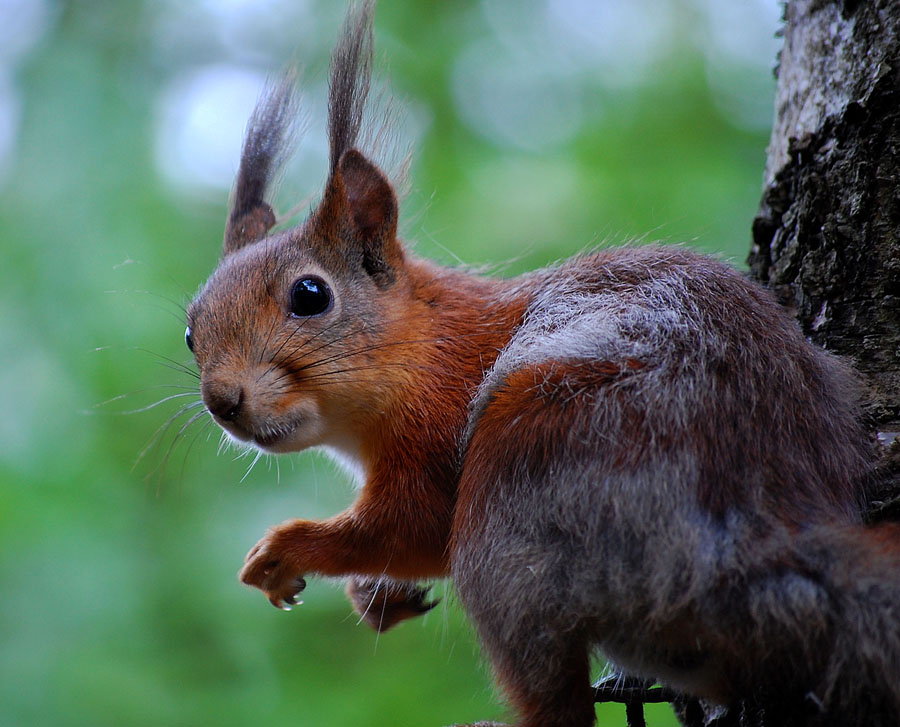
371, 202
360, 208
247, 227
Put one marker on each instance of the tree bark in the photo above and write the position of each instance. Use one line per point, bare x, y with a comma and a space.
827, 236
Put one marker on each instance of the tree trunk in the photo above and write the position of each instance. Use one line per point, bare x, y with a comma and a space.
827, 236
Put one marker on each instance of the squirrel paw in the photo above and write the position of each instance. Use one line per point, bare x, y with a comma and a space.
382, 603
266, 569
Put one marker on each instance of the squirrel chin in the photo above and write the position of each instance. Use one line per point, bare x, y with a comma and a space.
291, 435
276, 441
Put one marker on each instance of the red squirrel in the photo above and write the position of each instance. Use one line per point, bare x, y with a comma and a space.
634, 452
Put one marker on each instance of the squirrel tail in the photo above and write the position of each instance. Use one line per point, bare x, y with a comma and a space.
822, 611
860, 567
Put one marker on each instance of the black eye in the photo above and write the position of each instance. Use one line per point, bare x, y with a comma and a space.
310, 297
189, 338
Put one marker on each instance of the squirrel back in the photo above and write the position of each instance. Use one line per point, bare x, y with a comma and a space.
635, 451
660, 464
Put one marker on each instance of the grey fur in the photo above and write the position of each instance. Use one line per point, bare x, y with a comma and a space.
598, 538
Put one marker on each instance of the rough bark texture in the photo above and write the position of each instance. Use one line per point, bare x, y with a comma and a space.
827, 237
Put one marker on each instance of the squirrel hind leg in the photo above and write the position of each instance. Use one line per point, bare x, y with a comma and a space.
561, 696
568, 703
547, 682
512, 568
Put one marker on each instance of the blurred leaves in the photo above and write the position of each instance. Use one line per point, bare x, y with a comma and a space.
120, 603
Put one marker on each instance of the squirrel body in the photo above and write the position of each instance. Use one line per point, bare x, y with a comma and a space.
635, 450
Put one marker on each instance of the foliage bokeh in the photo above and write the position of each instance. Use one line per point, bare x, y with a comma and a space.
119, 600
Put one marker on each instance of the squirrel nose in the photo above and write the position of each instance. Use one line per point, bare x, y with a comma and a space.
223, 401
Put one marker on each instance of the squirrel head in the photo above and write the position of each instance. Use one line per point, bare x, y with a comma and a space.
284, 331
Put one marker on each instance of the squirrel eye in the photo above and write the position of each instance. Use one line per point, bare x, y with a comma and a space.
310, 297
189, 338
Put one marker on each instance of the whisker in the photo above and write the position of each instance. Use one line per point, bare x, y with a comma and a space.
259, 454
371, 367
155, 294
180, 366
169, 362
193, 441
140, 391
305, 343
371, 603
302, 350
184, 427
168, 422
163, 428
181, 369
300, 324
328, 359
324, 384
167, 299
349, 334
242, 450
158, 270
387, 344
262, 350
304, 378
192, 392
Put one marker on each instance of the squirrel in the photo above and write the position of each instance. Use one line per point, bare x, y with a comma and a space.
635, 451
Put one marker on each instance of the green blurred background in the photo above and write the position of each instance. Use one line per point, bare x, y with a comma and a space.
538, 128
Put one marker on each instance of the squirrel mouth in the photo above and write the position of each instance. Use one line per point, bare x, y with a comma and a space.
272, 436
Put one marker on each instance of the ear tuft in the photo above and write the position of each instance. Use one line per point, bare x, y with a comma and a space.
268, 141
348, 82
371, 201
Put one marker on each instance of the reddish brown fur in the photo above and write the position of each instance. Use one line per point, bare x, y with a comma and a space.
400, 524
533, 401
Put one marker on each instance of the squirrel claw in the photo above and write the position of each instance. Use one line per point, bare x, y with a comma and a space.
284, 597
382, 603
418, 602
268, 569
299, 585
284, 603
